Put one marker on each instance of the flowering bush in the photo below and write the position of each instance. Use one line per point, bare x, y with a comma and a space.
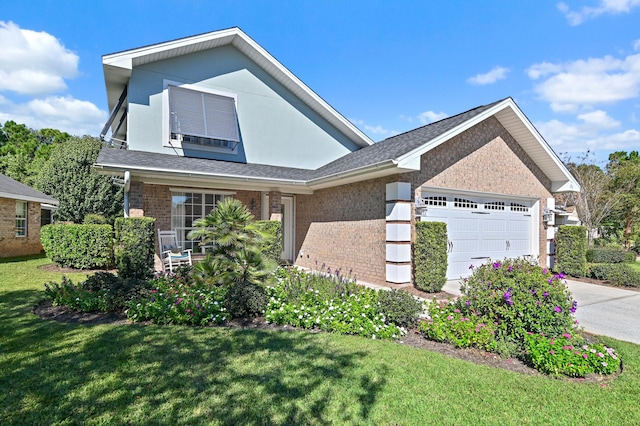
519, 298
176, 299
571, 357
448, 324
331, 303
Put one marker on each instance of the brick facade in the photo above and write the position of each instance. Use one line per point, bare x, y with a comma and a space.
10, 245
344, 228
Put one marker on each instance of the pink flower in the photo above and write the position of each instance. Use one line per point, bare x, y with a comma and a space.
552, 352
604, 364
585, 356
567, 335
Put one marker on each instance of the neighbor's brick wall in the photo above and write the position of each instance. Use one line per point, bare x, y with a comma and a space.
10, 245
344, 227
485, 158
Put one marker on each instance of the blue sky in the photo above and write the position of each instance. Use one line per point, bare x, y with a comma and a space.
573, 66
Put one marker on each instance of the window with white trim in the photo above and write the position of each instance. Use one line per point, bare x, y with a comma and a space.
186, 208
21, 218
202, 119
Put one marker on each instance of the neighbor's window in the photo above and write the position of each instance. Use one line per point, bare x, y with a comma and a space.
202, 118
186, 208
21, 219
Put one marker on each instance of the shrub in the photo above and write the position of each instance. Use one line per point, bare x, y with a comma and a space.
78, 246
95, 219
175, 299
245, 299
448, 324
566, 356
102, 291
605, 255
571, 250
519, 298
271, 245
399, 308
629, 256
618, 273
430, 256
134, 246
327, 302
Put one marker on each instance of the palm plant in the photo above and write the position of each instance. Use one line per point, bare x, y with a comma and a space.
236, 240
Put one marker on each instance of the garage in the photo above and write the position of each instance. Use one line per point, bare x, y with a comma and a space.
480, 228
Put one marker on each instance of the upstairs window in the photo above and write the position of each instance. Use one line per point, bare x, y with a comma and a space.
202, 119
21, 219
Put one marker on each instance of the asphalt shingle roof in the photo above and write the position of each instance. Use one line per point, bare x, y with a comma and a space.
388, 149
20, 191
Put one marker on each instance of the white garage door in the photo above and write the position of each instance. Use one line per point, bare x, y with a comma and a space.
480, 229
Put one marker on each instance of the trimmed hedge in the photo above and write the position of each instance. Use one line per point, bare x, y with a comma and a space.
134, 246
78, 246
272, 245
430, 256
571, 250
606, 255
618, 273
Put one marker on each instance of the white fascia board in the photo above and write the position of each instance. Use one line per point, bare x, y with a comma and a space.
568, 185
412, 158
28, 198
170, 177
235, 36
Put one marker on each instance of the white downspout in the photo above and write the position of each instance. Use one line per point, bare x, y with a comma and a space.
127, 186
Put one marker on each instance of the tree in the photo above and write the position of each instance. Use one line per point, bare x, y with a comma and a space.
68, 175
24, 151
625, 172
597, 197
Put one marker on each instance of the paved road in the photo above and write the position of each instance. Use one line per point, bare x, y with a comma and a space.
608, 311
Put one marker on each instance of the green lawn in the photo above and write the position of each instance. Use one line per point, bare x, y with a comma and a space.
635, 266
55, 373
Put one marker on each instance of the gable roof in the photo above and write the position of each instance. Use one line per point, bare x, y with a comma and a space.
118, 67
18, 191
397, 154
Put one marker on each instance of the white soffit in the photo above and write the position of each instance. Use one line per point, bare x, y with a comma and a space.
117, 69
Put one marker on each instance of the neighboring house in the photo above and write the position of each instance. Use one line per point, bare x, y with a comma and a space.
22, 209
215, 115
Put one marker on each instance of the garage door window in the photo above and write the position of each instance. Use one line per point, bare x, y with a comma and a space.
494, 205
462, 203
515, 207
435, 201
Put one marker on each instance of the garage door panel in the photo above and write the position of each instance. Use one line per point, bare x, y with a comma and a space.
493, 225
480, 230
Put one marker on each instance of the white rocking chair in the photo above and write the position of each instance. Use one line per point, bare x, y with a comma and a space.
171, 253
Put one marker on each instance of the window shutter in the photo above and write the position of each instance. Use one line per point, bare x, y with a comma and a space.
203, 114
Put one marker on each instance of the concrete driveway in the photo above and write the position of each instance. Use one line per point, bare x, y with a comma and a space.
608, 311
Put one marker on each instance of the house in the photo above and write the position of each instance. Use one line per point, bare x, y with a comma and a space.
211, 116
22, 209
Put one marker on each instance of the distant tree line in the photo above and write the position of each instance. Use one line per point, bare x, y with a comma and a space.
60, 165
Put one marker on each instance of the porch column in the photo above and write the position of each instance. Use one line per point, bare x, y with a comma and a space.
398, 239
275, 205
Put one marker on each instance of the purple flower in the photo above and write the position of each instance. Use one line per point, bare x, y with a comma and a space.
468, 302
544, 271
574, 306
496, 265
558, 309
545, 294
153, 299
510, 268
550, 280
471, 266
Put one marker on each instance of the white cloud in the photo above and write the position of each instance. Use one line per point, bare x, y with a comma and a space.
70, 115
33, 63
636, 45
592, 133
599, 119
497, 73
612, 7
374, 131
431, 116
587, 82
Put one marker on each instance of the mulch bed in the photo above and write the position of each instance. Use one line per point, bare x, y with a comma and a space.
46, 311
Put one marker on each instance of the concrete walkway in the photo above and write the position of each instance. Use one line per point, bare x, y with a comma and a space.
608, 311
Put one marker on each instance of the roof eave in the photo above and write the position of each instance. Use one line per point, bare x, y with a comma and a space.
40, 200
193, 178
